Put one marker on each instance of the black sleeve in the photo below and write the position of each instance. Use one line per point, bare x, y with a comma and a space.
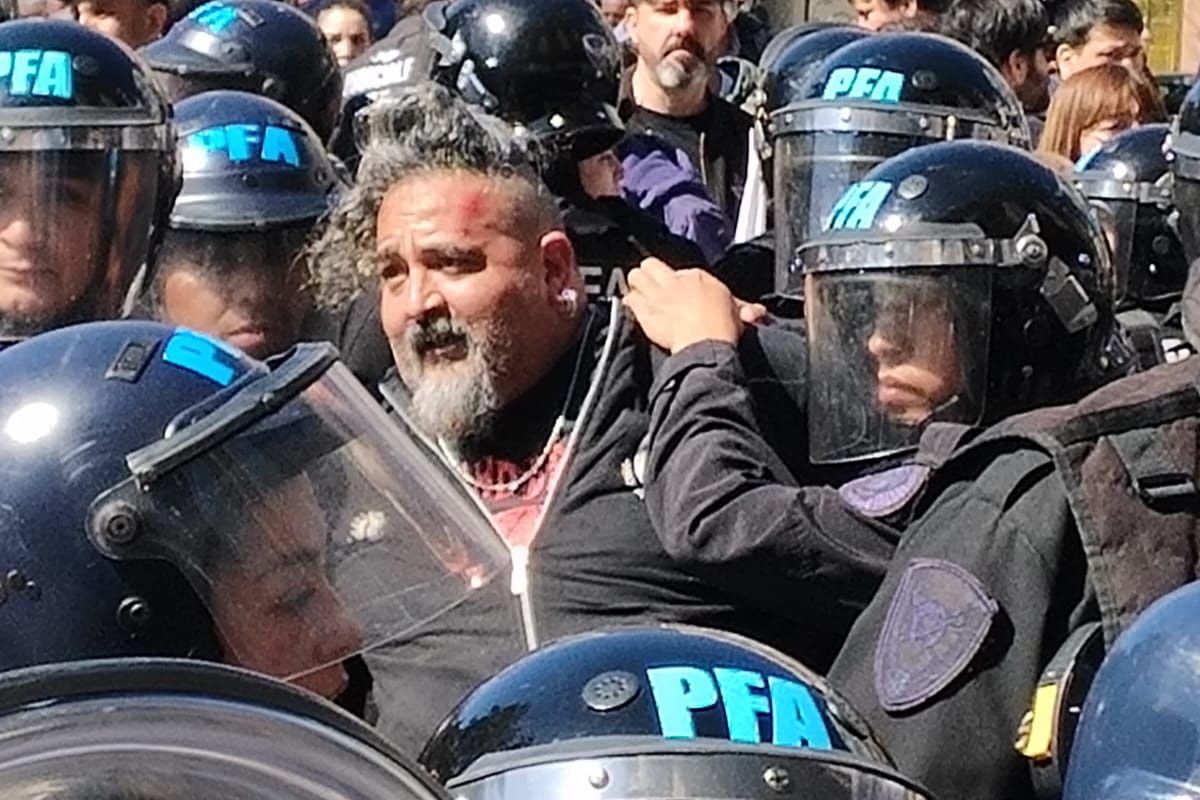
727, 507
1021, 547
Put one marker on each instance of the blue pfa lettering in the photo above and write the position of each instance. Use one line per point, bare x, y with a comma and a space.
199, 354
37, 73
864, 83
215, 16
745, 697
859, 205
249, 142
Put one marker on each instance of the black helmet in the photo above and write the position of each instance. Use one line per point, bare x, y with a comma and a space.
249, 164
255, 181
658, 712
548, 67
870, 100
162, 729
163, 494
85, 146
261, 46
403, 58
938, 292
1128, 182
785, 71
1139, 733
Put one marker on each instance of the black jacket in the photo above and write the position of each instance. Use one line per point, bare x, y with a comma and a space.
1049, 520
596, 560
727, 507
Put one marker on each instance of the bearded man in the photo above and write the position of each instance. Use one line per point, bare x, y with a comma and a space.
539, 401
668, 95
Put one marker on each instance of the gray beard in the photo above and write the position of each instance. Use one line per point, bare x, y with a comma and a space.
457, 406
455, 402
671, 76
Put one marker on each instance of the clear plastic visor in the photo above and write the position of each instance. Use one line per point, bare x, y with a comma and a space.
812, 171
74, 229
889, 352
318, 532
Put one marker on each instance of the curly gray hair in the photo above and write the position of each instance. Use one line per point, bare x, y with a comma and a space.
423, 128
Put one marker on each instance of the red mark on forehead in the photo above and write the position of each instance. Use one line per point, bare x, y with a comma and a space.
472, 202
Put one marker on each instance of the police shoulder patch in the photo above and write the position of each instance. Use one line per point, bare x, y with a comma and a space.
884, 493
938, 619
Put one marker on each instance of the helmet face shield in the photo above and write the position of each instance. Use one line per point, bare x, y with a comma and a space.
317, 532
105, 200
889, 352
812, 170
637, 771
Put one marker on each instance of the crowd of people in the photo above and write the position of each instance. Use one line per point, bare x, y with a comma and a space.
632, 400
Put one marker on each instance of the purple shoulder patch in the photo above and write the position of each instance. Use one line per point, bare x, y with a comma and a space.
884, 493
938, 619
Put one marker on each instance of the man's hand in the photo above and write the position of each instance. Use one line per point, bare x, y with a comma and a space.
681, 308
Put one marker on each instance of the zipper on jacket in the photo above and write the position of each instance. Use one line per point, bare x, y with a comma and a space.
519, 586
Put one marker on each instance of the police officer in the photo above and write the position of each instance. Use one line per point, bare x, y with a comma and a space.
936, 302
255, 180
659, 712
1128, 183
871, 100
161, 494
1047, 522
163, 729
256, 46
87, 175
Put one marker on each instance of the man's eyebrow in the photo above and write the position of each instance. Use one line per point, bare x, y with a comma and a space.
453, 253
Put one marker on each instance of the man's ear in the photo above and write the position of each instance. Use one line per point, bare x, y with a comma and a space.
558, 259
158, 19
911, 8
1016, 68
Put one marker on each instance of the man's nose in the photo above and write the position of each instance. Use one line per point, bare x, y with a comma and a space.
423, 292
23, 233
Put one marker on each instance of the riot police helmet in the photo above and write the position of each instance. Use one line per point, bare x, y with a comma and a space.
785, 71
162, 494
88, 175
658, 712
167, 729
260, 46
255, 181
1128, 182
1139, 732
550, 68
870, 100
937, 293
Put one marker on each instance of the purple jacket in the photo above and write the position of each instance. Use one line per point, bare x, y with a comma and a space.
661, 181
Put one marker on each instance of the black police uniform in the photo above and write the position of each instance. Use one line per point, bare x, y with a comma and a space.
729, 509
595, 560
1047, 521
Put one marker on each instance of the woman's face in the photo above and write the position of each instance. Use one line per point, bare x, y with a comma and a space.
274, 608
